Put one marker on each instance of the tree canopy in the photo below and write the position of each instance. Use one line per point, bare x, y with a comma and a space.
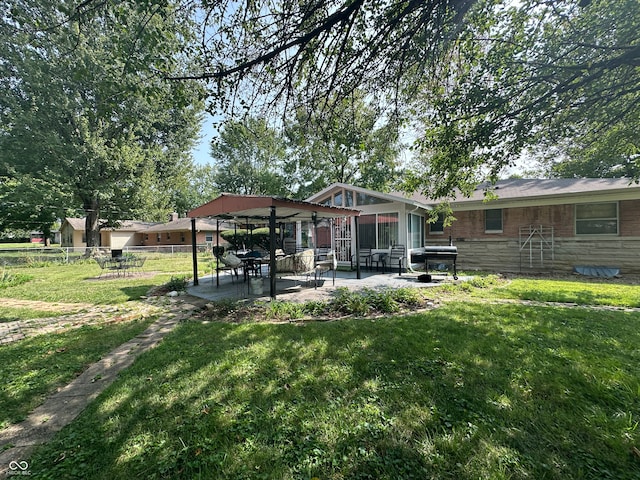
480, 81
84, 108
562, 77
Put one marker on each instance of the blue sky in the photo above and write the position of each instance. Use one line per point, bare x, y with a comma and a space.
201, 151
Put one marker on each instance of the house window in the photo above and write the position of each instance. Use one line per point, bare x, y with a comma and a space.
387, 230
378, 230
182, 237
168, 236
597, 219
159, 237
348, 198
364, 199
493, 220
416, 231
437, 227
337, 199
146, 236
208, 237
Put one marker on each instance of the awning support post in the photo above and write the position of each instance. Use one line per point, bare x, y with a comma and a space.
272, 252
194, 252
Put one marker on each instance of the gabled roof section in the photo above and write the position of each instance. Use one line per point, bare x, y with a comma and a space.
545, 192
391, 197
75, 223
125, 225
258, 207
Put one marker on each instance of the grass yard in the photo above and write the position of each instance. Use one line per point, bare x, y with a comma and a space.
78, 282
34, 367
470, 390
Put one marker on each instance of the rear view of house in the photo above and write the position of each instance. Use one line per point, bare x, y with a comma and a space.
546, 225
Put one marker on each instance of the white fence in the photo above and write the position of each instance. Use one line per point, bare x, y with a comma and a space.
33, 255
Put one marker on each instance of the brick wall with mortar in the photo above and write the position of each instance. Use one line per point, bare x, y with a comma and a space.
176, 238
480, 250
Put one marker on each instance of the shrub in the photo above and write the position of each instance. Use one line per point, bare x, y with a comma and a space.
351, 303
284, 310
179, 284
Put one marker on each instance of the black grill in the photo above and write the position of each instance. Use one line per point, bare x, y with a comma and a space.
437, 253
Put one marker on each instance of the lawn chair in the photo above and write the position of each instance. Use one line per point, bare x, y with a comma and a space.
397, 256
330, 264
229, 263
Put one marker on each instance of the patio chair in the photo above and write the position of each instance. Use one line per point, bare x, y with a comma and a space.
366, 257
230, 263
330, 264
106, 263
397, 256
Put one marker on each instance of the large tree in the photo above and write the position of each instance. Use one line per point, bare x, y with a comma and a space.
345, 140
83, 106
563, 77
482, 79
249, 159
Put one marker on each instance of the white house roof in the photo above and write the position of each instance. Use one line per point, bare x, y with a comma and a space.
392, 196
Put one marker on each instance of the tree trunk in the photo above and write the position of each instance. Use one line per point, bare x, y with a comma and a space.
46, 233
92, 223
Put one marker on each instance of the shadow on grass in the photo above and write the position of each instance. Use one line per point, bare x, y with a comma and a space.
463, 392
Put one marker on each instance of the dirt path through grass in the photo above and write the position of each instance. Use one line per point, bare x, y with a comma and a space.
45, 306
79, 315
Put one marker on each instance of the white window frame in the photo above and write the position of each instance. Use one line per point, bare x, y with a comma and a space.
421, 222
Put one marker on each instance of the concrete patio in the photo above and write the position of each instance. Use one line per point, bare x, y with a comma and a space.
302, 288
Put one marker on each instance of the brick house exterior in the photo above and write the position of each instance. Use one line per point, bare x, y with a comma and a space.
547, 225
176, 232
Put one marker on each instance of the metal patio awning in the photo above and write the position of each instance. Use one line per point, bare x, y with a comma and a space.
273, 210
258, 207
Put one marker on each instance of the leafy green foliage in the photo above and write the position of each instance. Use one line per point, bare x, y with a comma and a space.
11, 279
258, 238
249, 159
84, 112
561, 77
178, 284
345, 141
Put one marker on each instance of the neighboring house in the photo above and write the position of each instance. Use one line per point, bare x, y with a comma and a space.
132, 233
386, 220
178, 232
38, 237
127, 234
533, 225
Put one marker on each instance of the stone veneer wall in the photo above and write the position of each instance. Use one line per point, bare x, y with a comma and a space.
503, 255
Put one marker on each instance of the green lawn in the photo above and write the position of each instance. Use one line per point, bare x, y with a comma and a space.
78, 282
473, 389
469, 390
34, 367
